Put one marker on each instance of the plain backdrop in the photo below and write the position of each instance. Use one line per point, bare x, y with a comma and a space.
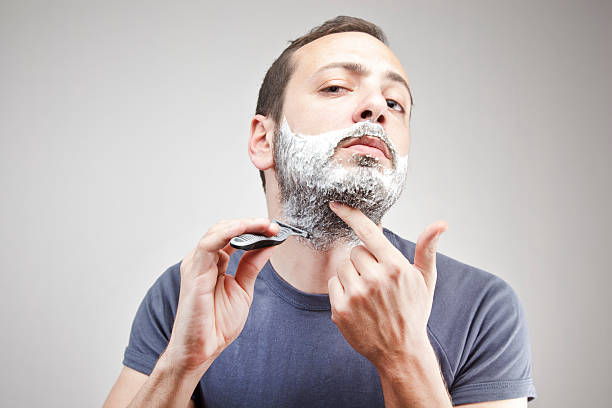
124, 130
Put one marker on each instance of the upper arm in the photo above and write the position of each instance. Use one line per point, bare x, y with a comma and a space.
126, 387
495, 363
510, 403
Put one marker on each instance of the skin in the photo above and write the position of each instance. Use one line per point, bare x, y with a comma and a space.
312, 108
371, 285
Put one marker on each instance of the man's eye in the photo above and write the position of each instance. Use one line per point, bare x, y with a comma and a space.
333, 89
394, 105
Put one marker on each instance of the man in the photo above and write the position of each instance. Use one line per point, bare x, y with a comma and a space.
348, 316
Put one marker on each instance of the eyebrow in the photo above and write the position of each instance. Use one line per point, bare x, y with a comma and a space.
361, 70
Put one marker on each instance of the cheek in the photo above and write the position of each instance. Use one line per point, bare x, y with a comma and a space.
316, 118
402, 145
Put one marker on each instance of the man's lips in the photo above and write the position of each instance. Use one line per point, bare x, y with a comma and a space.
367, 144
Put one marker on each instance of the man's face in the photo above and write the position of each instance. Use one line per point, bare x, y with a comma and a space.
345, 78
343, 149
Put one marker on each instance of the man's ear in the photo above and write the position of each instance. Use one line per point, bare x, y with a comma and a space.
260, 142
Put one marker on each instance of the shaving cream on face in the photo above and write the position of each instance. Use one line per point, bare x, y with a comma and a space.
310, 177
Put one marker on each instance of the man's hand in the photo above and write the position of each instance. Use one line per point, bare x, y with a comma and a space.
380, 301
213, 306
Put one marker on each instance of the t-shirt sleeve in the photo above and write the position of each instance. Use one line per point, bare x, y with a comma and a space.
152, 325
496, 363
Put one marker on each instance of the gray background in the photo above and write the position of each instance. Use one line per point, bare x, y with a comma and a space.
124, 131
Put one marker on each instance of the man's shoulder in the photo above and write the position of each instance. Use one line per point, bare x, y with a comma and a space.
167, 285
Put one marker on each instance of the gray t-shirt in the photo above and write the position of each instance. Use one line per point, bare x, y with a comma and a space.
291, 354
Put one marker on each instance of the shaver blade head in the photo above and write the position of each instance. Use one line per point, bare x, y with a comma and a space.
294, 230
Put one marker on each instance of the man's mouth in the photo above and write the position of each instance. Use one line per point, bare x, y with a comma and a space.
369, 145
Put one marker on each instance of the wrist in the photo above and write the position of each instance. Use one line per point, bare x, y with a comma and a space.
414, 378
409, 362
169, 385
174, 363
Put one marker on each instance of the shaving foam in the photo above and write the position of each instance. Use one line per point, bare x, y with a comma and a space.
310, 177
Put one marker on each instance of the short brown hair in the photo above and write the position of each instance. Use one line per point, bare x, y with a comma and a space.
272, 91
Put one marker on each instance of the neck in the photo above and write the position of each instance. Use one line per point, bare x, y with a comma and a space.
306, 269
299, 265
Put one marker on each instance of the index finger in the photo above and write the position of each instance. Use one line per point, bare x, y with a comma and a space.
365, 229
220, 234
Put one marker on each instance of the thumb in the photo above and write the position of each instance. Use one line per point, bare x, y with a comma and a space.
249, 267
425, 252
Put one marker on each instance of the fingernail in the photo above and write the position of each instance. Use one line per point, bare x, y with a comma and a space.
334, 204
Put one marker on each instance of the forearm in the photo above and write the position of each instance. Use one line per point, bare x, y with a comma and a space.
167, 386
415, 381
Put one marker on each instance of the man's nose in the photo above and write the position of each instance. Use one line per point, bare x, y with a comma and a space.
372, 109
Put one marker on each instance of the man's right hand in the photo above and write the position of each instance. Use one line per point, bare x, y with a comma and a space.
212, 310
213, 306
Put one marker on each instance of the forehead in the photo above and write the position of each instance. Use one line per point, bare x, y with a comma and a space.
347, 47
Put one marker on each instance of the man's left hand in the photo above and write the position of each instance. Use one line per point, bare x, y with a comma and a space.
380, 301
